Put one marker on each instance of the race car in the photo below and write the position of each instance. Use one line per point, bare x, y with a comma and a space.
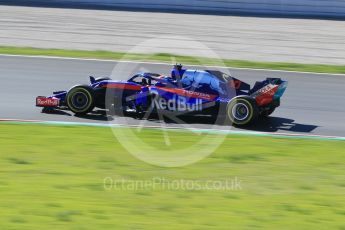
185, 91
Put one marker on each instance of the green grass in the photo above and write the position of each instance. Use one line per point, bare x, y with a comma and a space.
163, 57
52, 178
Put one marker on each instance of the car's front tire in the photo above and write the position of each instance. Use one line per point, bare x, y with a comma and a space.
80, 99
242, 110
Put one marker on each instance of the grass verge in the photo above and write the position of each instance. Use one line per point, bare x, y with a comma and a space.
163, 57
52, 177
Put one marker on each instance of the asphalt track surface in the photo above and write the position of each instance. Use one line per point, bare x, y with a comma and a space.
313, 103
230, 37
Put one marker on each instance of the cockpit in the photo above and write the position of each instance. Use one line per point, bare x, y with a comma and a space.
145, 79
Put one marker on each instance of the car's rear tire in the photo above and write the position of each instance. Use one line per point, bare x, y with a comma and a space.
241, 110
80, 99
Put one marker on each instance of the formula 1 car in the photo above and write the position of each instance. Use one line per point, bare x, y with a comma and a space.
185, 91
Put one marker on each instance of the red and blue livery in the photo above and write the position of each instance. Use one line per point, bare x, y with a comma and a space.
185, 91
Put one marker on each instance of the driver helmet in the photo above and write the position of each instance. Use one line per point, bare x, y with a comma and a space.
177, 71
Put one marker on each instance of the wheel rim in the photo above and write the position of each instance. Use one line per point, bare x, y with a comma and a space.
240, 111
80, 100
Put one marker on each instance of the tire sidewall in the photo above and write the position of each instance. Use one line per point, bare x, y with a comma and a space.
252, 111
86, 90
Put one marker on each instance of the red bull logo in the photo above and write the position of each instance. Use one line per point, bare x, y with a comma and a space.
177, 103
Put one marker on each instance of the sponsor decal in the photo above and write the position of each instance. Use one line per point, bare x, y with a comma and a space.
47, 102
189, 93
199, 95
267, 90
177, 103
265, 95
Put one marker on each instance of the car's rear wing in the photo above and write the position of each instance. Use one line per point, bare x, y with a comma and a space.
268, 90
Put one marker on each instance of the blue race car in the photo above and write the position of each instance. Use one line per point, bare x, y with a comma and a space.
186, 91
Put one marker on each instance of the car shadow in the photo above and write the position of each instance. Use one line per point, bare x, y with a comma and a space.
97, 115
55, 111
274, 124
268, 124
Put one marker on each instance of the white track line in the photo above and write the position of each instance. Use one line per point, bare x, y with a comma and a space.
216, 131
161, 63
